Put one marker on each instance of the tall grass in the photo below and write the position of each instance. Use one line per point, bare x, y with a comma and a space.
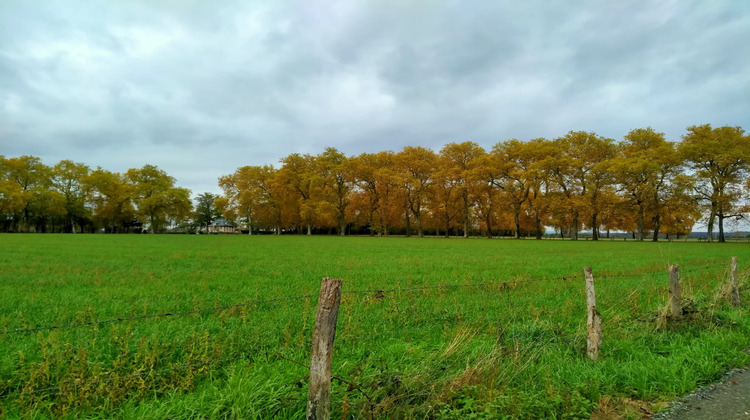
508, 342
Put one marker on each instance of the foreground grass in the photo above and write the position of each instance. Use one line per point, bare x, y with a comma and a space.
515, 350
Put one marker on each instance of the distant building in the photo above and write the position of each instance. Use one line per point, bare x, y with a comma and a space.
221, 226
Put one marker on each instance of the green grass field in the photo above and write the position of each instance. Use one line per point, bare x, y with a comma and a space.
512, 348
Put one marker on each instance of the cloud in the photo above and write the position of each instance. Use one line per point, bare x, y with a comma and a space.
201, 88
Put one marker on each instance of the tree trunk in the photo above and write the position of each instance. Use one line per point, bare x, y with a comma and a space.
26, 224
408, 224
466, 216
711, 220
538, 228
447, 223
371, 223
381, 225
594, 227
721, 227
517, 222
418, 216
657, 226
640, 222
574, 230
342, 219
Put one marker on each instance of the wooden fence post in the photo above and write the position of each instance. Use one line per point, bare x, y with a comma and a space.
319, 395
594, 335
734, 290
675, 291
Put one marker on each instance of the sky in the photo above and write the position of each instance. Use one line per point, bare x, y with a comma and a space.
201, 88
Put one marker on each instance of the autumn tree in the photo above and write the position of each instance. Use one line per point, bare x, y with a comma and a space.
389, 191
300, 175
242, 194
445, 194
718, 158
539, 151
12, 197
583, 175
566, 195
514, 159
336, 175
679, 210
110, 200
379, 184
646, 166
617, 213
485, 177
373, 178
156, 197
32, 178
456, 163
415, 167
68, 179
257, 193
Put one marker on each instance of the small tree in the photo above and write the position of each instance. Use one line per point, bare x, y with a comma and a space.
206, 211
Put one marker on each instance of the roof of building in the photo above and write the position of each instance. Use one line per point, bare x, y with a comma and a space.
222, 223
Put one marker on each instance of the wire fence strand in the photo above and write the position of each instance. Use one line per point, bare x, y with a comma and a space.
367, 291
150, 316
442, 323
451, 286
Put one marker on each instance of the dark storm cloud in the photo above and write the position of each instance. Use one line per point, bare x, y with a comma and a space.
201, 88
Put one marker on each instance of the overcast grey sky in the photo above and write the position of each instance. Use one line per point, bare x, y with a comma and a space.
200, 88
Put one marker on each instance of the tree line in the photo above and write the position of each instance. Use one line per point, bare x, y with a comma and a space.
643, 184
70, 197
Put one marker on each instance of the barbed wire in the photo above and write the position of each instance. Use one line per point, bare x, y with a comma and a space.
149, 316
449, 286
694, 269
406, 330
495, 283
377, 291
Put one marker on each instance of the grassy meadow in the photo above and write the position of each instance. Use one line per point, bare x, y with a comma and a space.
509, 343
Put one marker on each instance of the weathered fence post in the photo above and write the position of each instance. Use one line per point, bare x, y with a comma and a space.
319, 395
675, 291
594, 335
734, 290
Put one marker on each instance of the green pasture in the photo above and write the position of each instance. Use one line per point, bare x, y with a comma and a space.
507, 342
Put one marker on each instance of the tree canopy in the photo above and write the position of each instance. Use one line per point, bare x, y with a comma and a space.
643, 184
